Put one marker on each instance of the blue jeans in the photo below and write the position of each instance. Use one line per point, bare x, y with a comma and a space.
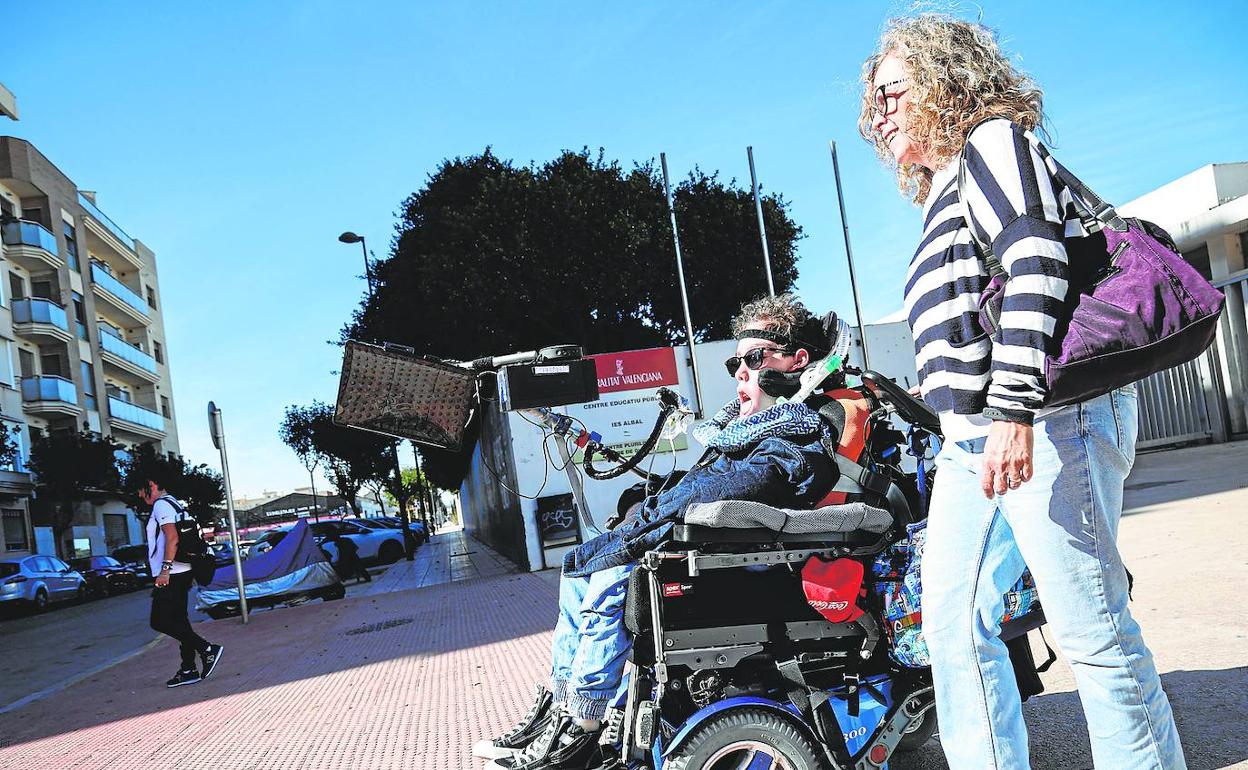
590, 645
1063, 525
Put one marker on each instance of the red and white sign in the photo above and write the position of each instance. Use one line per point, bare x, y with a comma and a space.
636, 369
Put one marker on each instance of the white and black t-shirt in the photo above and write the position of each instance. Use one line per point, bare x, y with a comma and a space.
163, 512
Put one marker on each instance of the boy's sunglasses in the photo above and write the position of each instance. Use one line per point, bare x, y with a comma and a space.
753, 360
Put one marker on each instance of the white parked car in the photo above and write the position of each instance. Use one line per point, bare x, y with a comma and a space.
377, 544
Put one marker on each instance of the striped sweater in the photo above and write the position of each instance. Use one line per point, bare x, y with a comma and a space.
1015, 202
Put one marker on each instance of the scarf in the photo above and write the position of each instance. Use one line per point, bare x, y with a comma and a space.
727, 431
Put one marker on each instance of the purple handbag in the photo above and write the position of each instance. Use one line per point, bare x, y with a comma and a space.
1139, 307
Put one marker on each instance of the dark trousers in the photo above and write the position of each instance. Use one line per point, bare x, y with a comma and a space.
169, 617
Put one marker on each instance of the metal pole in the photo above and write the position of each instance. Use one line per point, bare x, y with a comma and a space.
217, 428
368, 273
684, 293
404, 519
849, 255
762, 230
316, 511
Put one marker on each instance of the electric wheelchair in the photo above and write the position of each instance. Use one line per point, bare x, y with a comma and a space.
731, 666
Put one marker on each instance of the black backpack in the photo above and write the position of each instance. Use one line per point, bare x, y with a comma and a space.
191, 549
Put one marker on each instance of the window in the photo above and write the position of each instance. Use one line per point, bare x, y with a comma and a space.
151, 297
88, 386
6, 366
16, 537
43, 290
52, 365
32, 214
116, 530
158, 352
17, 286
7, 209
80, 316
71, 246
164, 408
26, 361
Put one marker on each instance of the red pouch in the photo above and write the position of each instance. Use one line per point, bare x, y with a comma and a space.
833, 588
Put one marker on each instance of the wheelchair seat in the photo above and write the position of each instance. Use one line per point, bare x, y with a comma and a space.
745, 521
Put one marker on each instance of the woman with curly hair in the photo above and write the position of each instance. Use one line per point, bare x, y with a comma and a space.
1049, 481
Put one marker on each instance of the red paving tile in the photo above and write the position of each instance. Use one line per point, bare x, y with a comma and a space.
401, 680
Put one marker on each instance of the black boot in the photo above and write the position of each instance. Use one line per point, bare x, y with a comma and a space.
522, 734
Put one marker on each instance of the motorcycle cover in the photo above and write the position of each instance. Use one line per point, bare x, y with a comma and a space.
294, 565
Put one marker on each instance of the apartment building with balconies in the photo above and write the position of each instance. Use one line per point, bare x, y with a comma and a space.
82, 340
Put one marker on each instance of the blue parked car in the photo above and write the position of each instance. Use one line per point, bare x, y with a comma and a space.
36, 581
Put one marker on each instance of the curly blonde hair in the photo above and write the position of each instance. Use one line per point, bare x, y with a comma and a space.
957, 76
783, 314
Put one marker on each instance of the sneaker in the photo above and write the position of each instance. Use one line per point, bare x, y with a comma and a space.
573, 748
190, 676
210, 658
537, 748
612, 727
522, 734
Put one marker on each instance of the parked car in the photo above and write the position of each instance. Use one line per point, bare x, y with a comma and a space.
265, 542
105, 575
134, 556
394, 522
377, 543
37, 581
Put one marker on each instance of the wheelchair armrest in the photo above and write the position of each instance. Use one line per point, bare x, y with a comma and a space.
908, 407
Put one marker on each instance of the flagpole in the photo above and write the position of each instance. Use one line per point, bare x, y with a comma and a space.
849, 255
762, 230
684, 293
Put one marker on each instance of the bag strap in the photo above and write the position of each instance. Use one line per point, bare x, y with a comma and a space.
1102, 213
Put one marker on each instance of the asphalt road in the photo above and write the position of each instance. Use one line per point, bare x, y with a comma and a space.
42, 651
39, 651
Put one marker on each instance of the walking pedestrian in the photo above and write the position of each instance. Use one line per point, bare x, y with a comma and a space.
349, 564
1049, 481
173, 582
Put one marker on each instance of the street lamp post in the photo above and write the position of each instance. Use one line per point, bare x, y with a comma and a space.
350, 237
216, 427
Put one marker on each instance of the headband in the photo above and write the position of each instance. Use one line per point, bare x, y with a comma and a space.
763, 334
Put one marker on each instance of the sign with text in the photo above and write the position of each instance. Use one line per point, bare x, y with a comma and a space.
628, 404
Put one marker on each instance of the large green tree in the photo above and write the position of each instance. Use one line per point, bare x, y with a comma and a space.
490, 257
199, 487
70, 468
349, 458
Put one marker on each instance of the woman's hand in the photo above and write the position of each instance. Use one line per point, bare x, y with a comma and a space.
1007, 457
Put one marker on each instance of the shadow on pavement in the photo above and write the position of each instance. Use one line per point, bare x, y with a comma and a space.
1210, 708
393, 634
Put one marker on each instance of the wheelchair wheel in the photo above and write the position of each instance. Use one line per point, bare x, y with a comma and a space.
918, 733
753, 738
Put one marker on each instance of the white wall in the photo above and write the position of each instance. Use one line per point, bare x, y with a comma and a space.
892, 353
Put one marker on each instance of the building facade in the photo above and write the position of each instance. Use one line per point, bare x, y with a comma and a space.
82, 342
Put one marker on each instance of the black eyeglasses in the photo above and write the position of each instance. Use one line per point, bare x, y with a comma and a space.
753, 360
886, 103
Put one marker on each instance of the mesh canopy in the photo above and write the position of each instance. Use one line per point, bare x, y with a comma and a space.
404, 396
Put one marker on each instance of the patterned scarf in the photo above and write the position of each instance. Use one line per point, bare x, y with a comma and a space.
728, 432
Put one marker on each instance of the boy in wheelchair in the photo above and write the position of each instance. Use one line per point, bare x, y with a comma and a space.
757, 450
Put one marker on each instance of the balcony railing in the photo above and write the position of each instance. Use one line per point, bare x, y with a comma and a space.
124, 410
118, 289
103, 219
36, 310
25, 233
49, 388
127, 352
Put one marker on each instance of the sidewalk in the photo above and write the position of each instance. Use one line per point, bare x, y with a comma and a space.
410, 678
447, 557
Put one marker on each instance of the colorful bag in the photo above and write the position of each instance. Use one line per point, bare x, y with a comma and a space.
1135, 306
898, 581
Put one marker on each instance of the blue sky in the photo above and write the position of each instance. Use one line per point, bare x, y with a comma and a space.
239, 139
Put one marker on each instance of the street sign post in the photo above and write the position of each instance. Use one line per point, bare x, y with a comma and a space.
216, 427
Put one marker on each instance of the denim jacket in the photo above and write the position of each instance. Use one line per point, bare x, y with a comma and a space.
782, 472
